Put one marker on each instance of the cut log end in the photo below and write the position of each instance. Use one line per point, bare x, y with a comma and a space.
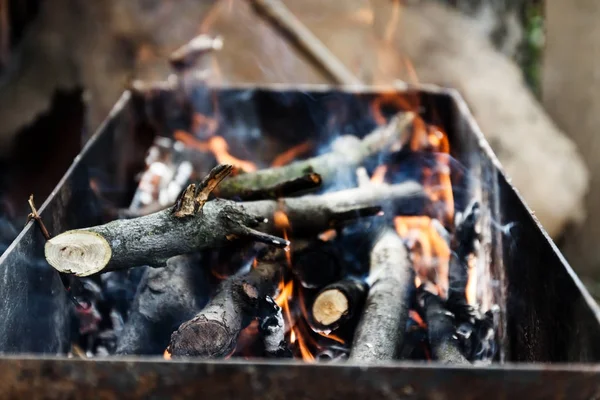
329, 307
81, 253
208, 339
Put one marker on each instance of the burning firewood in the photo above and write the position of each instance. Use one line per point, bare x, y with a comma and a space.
441, 330
380, 331
166, 297
347, 154
213, 332
194, 224
337, 303
316, 213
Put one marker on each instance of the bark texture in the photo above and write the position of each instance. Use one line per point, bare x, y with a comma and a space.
379, 333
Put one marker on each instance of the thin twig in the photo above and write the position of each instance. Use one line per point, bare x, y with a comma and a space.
35, 216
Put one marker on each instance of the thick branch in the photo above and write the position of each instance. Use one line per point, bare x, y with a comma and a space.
316, 213
213, 332
381, 328
292, 187
347, 154
338, 303
166, 298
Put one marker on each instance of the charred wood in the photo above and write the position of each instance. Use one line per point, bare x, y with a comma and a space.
463, 244
166, 298
347, 154
381, 328
338, 303
441, 330
272, 328
213, 332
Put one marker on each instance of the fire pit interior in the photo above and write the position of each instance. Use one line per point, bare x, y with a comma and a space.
318, 224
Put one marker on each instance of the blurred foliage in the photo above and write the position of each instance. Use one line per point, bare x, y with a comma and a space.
531, 60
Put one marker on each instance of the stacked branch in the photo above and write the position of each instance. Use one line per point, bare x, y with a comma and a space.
214, 331
348, 153
195, 224
166, 297
380, 332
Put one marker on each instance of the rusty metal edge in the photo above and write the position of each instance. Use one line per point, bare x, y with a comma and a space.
119, 105
52, 377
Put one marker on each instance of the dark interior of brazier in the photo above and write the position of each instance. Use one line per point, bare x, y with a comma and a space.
319, 226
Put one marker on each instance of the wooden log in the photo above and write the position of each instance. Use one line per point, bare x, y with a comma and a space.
380, 331
166, 297
338, 303
444, 343
292, 187
191, 225
213, 332
348, 152
195, 224
312, 214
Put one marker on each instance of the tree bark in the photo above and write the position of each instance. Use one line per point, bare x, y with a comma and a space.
379, 333
152, 239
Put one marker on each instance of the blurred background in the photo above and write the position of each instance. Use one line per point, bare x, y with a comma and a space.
527, 69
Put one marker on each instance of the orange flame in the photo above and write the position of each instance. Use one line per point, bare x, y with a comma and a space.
412, 314
304, 351
218, 146
291, 154
328, 235
430, 252
471, 289
167, 354
379, 174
